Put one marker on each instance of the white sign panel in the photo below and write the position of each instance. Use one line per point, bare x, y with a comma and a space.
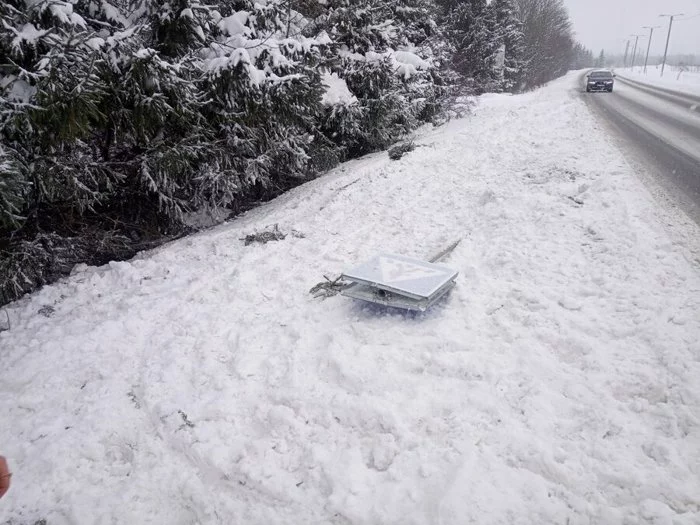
403, 275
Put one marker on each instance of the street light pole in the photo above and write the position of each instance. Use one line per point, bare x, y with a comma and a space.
651, 35
627, 50
634, 53
668, 38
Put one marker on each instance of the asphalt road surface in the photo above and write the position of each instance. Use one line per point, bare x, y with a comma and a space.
660, 131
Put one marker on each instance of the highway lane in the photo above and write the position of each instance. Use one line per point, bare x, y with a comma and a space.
660, 132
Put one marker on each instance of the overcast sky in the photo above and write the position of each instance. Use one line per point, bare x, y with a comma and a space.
606, 24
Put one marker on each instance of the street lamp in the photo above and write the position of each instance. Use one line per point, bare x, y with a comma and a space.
634, 53
627, 52
651, 35
668, 39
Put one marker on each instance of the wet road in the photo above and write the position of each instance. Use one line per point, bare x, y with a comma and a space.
660, 129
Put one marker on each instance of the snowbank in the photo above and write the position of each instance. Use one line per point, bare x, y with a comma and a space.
682, 81
201, 383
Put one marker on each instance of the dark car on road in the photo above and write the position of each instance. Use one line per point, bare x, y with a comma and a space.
602, 80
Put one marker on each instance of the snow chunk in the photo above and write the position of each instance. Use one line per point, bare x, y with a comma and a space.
145, 53
405, 63
112, 13
95, 43
63, 11
408, 64
337, 92
218, 64
29, 34
323, 39
406, 57
19, 90
235, 24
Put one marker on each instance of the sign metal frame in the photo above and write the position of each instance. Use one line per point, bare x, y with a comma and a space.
399, 281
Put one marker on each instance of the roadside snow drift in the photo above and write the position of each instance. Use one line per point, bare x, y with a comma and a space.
682, 81
557, 384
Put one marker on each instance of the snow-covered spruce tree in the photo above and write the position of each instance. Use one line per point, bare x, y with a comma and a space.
110, 108
207, 104
50, 93
263, 103
159, 136
115, 123
376, 50
14, 176
422, 36
120, 116
470, 27
13, 189
507, 30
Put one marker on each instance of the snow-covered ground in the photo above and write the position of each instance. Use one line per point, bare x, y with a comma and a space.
558, 383
681, 81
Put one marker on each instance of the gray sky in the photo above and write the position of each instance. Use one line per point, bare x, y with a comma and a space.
606, 24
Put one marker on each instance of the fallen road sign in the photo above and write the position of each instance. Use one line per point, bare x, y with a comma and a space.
398, 281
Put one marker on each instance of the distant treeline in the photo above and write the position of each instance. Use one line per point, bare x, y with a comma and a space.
689, 62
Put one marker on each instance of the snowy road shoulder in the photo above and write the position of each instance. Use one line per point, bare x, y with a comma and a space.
557, 384
679, 81
659, 132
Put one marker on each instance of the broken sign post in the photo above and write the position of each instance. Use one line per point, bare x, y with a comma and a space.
398, 281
